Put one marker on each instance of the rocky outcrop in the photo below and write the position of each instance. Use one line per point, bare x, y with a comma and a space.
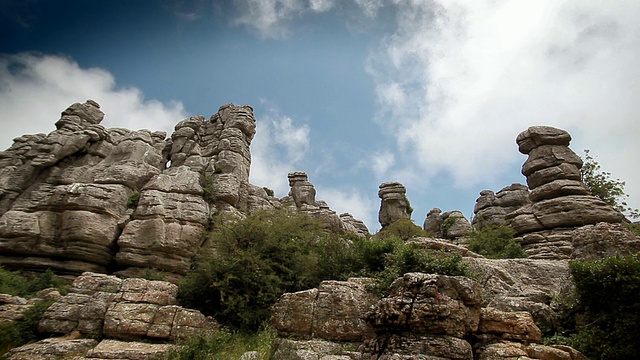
492, 208
448, 225
560, 201
87, 198
102, 305
303, 196
425, 316
394, 204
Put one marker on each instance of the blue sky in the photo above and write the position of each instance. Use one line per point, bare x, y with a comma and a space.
354, 92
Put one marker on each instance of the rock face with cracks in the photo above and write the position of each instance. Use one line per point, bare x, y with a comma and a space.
394, 204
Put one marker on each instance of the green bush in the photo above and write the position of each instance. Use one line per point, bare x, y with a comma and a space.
251, 263
495, 242
403, 228
607, 300
209, 190
20, 332
132, 202
13, 283
268, 191
224, 345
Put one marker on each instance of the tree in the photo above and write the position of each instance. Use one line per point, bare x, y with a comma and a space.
604, 187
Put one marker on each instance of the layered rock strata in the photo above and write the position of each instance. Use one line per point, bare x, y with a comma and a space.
447, 225
87, 198
560, 201
492, 208
425, 316
394, 204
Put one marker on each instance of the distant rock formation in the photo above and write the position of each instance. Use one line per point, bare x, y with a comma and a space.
561, 203
303, 197
87, 198
491, 208
448, 225
394, 204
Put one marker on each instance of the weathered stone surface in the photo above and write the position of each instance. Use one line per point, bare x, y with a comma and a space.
429, 304
523, 285
602, 240
289, 349
102, 305
438, 224
514, 350
52, 349
334, 311
490, 209
115, 349
517, 326
408, 346
354, 225
560, 201
394, 204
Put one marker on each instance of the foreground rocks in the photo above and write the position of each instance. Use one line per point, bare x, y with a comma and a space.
107, 317
425, 316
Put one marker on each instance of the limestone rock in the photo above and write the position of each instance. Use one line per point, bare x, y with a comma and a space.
409, 346
448, 225
429, 304
52, 349
115, 349
560, 201
123, 309
334, 311
394, 204
517, 326
354, 225
490, 209
290, 349
514, 350
523, 285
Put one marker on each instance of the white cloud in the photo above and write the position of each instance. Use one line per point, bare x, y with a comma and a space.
35, 88
279, 147
475, 74
381, 162
270, 18
369, 7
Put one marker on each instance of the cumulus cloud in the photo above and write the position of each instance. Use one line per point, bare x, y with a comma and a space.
279, 147
381, 162
35, 88
459, 80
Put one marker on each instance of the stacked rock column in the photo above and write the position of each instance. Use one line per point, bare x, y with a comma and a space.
559, 198
394, 204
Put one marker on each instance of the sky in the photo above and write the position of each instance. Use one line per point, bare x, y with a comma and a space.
355, 93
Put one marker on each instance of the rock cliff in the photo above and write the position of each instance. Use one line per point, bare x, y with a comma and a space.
87, 198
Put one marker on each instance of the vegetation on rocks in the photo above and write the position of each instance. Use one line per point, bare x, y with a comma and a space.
602, 318
224, 345
13, 334
250, 263
604, 187
495, 242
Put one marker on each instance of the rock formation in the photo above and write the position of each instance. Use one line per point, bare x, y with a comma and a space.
425, 316
394, 204
303, 197
86, 198
491, 208
103, 316
560, 201
448, 225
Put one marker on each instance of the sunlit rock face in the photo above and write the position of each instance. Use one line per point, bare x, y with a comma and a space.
394, 204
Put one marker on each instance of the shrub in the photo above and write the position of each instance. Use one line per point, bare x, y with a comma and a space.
495, 242
20, 332
132, 202
403, 228
251, 263
607, 299
446, 225
268, 191
208, 186
13, 283
224, 345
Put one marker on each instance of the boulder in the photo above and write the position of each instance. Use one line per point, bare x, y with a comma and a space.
491, 208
